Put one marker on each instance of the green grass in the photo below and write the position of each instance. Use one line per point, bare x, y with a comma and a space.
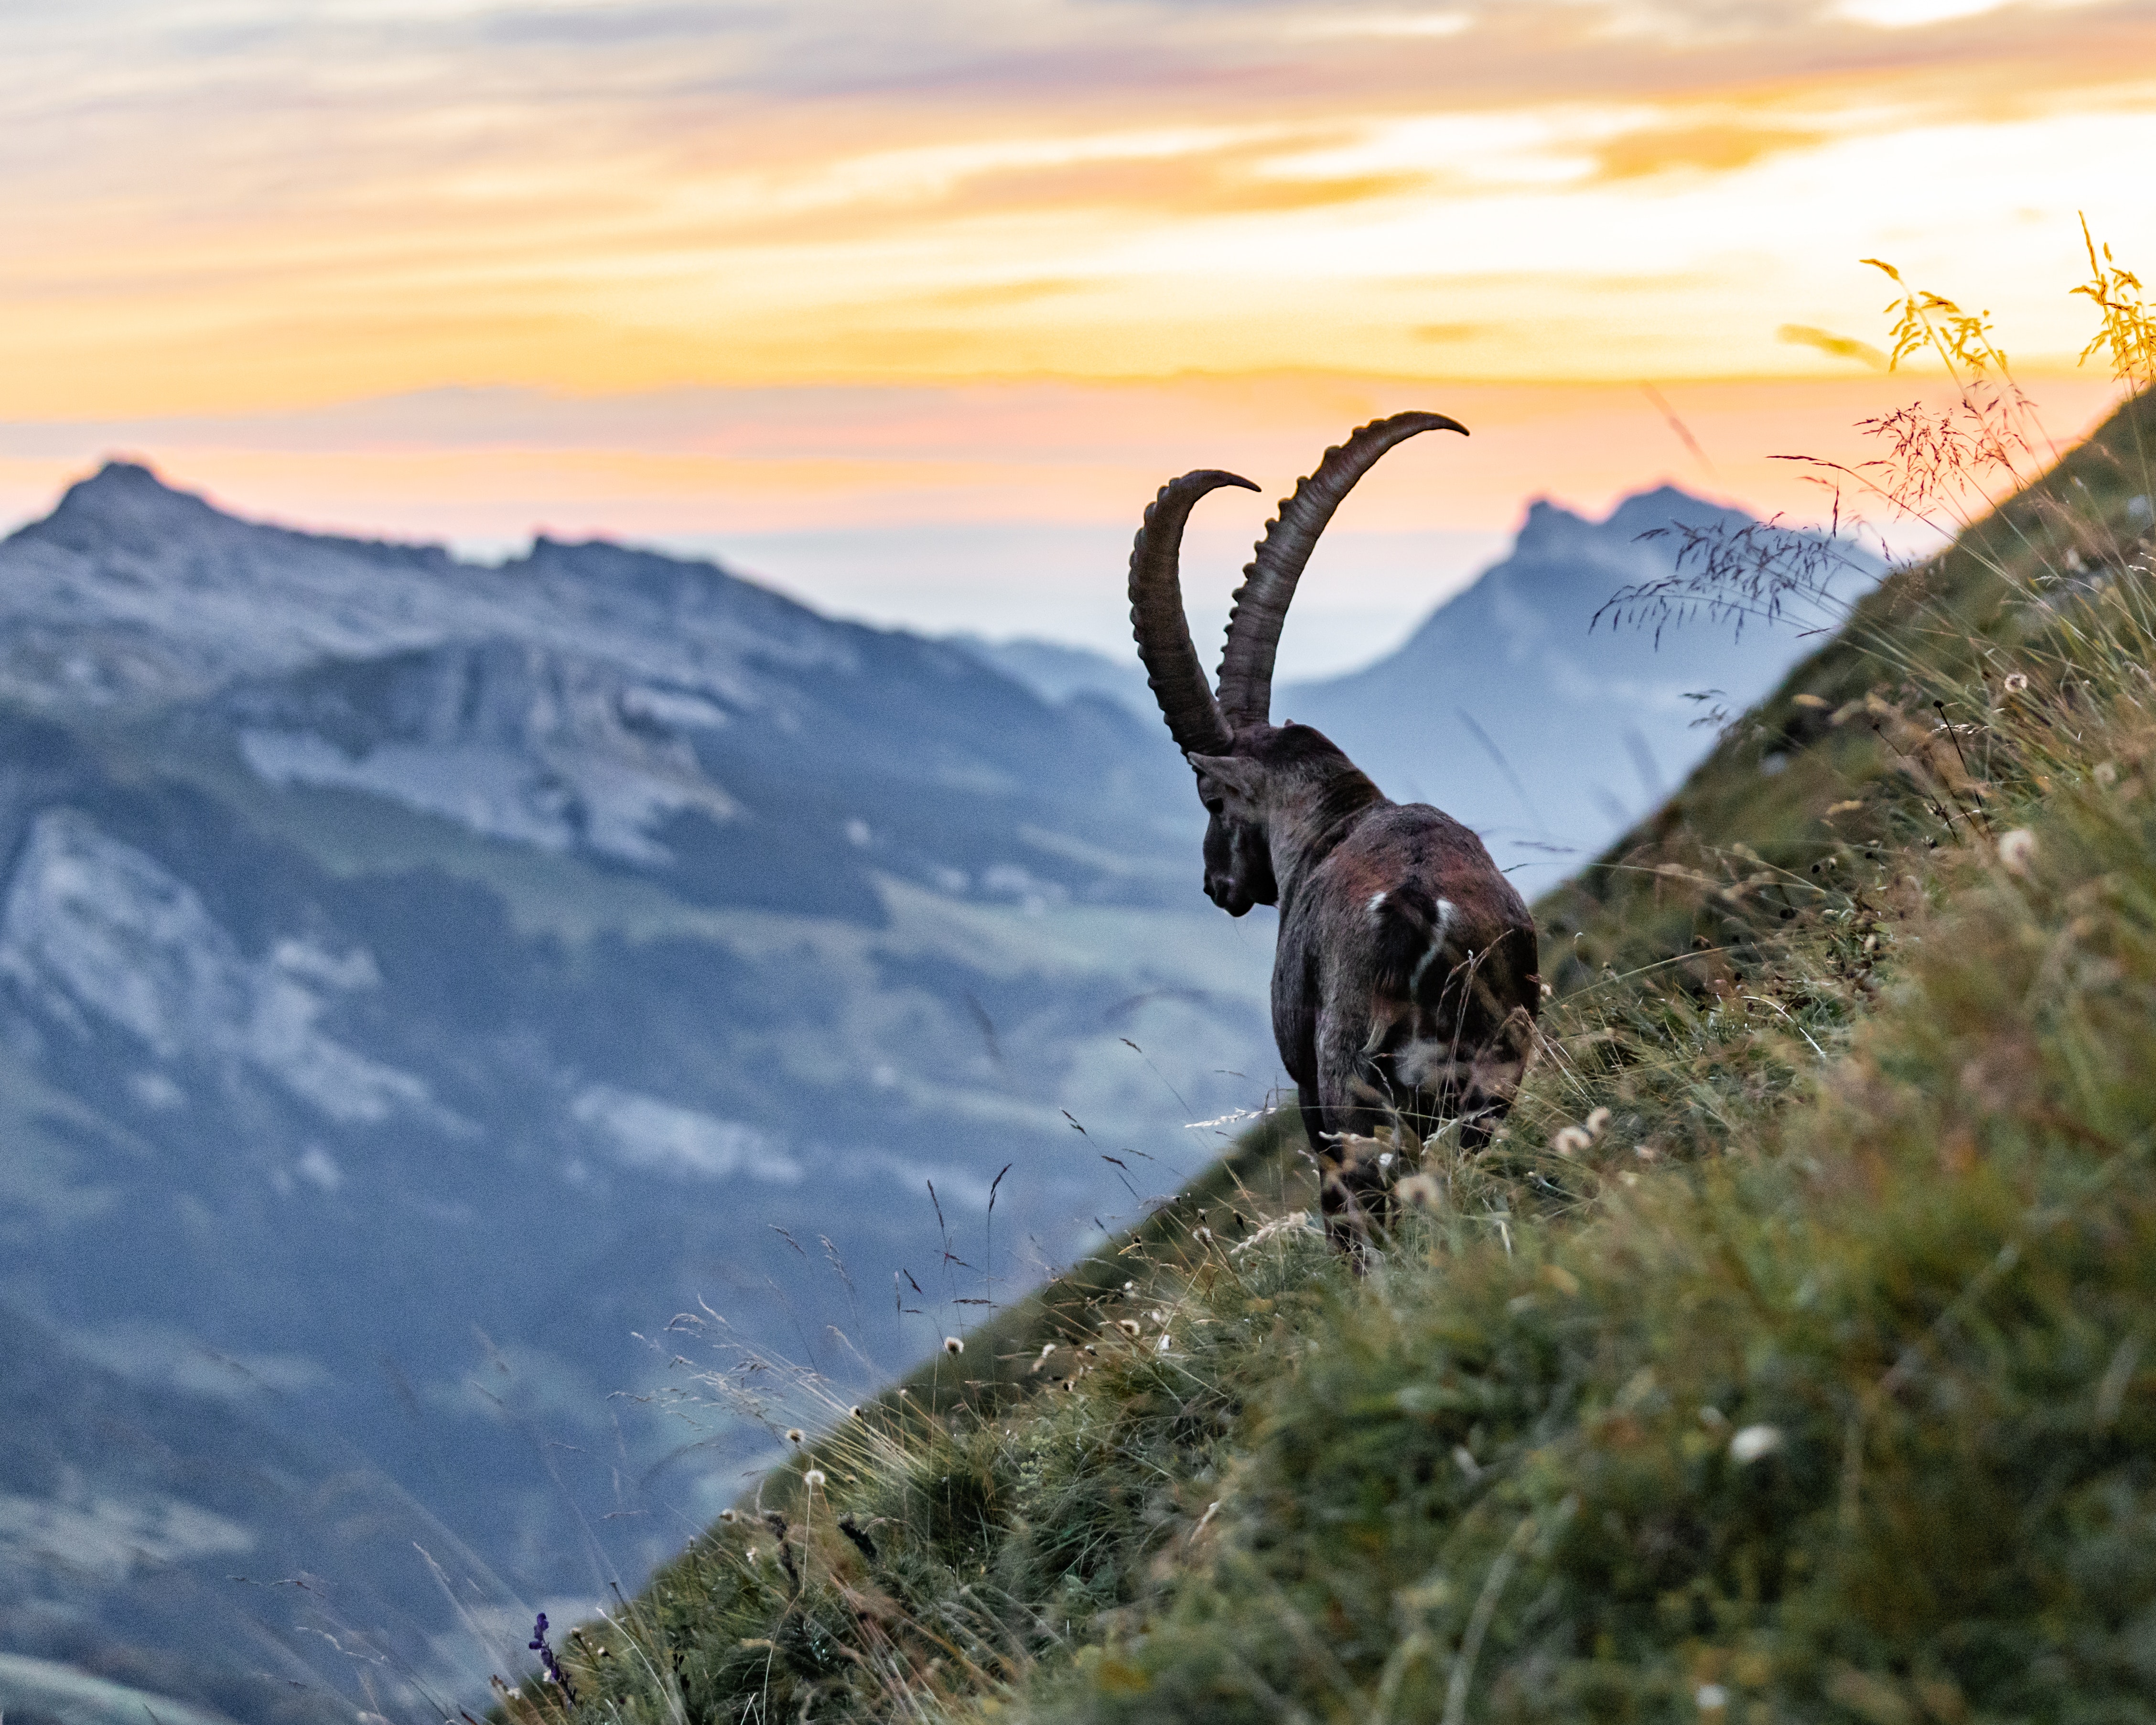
1791, 1355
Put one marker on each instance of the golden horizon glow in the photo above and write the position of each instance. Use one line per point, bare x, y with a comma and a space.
256, 211
757, 270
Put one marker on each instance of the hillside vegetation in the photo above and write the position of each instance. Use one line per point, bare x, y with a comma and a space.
1791, 1355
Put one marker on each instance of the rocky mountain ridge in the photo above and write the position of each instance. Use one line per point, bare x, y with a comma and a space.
424, 983
420, 982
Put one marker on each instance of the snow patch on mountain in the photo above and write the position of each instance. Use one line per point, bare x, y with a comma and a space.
663, 1137
112, 1536
90, 924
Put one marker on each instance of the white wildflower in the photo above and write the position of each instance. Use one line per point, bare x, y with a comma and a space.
1753, 1441
1419, 1192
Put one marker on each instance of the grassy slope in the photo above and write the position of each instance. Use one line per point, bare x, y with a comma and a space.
1815, 1381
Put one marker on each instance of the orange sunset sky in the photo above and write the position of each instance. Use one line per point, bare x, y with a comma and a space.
908, 308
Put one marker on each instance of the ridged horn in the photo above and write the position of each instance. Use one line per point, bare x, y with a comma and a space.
1262, 602
1156, 620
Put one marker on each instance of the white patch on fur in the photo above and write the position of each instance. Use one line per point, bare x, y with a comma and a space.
1436, 946
1429, 1064
1377, 905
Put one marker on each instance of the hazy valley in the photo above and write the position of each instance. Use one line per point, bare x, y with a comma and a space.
421, 981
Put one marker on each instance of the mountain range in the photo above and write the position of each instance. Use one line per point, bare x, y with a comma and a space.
437, 999
420, 980
1524, 705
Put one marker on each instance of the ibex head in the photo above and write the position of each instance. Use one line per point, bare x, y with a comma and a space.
1250, 772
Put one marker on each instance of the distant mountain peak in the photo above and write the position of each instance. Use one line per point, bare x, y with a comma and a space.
125, 501
1550, 523
118, 472
134, 593
1644, 511
124, 484
128, 511
1542, 511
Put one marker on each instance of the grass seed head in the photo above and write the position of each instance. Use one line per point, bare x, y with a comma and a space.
1420, 1192
1753, 1443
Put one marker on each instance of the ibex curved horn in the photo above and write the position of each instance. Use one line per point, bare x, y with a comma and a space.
1262, 602
1404, 982
1156, 620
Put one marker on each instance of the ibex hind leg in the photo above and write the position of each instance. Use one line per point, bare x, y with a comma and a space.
1474, 1046
1365, 1125
1350, 1194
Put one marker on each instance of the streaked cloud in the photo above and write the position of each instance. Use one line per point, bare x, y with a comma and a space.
1912, 14
1382, 25
471, 266
1803, 335
254, 201
1707, 147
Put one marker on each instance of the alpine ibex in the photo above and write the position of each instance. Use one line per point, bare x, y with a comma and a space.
1404, 983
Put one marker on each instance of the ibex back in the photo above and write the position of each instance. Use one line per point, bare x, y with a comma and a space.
1404, 985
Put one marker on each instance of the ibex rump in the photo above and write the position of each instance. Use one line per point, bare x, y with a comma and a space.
1404, 983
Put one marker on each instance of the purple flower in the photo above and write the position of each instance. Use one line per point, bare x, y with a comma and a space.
537, 1644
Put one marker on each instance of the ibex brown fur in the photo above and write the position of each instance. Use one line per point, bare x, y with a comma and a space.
1405, 984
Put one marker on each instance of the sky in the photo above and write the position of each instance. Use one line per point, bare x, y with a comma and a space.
908, 309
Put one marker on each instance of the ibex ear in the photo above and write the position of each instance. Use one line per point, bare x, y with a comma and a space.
1235, 778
